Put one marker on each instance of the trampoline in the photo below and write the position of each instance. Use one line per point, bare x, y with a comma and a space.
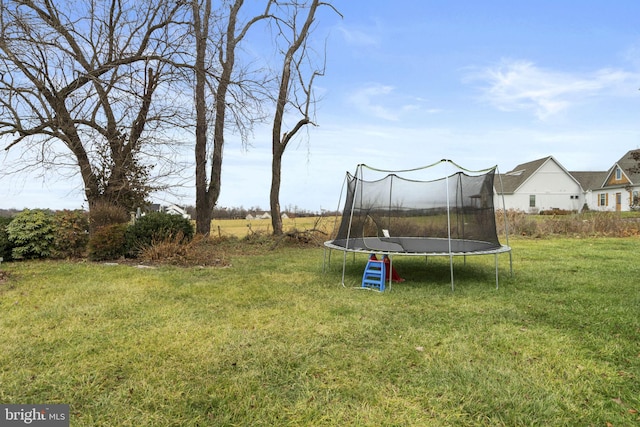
401, 214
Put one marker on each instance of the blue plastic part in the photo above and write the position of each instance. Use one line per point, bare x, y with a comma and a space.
374, 275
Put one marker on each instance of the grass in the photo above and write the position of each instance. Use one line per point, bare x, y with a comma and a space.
271, 340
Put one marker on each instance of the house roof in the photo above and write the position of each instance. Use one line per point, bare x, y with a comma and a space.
590, 180
516, 177
630, 165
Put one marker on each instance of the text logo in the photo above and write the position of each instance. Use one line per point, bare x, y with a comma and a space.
34, 415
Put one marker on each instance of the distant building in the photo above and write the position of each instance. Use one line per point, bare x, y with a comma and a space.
169, 209
544, 184
540, 185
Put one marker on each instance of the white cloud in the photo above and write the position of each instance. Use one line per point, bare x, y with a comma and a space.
372, 100
358, 38
521, 85
382, 102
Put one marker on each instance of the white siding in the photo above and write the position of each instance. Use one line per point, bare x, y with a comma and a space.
610, 199
552, 187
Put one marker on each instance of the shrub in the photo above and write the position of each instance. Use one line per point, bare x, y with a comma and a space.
72, 234
107, 224
107, 242
200, 251
104, 213
5, 244
556, 211
32, 233
157, 226
608, 223
519, 223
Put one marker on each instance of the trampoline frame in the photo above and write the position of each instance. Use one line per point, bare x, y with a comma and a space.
330, 246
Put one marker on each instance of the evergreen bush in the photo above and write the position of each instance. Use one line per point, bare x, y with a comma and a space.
155, 227
32, 233
5, 244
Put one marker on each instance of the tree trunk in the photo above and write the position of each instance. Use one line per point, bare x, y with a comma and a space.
203, 208
274, 197
279, 140
207, 195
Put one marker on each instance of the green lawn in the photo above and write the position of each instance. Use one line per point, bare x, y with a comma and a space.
271, 340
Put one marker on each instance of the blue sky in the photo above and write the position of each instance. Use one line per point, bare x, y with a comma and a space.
411, 82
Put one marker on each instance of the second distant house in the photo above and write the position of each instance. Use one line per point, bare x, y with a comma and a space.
544, 185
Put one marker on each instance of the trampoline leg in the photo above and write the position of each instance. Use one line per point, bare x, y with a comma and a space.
344, 266
496, 257
511, 263
390, 270
324, 259
451, 270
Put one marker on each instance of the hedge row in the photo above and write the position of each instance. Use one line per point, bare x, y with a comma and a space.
106, 234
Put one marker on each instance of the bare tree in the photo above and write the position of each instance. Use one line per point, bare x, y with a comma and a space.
295, 91
221, 82
79, 85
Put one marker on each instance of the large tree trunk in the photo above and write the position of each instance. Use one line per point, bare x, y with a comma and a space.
207, 194
274, 197
201, 26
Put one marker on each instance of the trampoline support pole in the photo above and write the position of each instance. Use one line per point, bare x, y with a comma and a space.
390, 270
344, 266
496, 258
451, 271
324, 259
511, 263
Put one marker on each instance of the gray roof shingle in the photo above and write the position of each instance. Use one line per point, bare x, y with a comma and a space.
588, 180
630, 164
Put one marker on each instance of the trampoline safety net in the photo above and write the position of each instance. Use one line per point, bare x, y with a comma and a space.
454, 213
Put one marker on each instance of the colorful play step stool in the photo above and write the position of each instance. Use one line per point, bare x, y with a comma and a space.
374, 274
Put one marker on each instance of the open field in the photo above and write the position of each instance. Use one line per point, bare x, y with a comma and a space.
243, 227
271, 340
619, 224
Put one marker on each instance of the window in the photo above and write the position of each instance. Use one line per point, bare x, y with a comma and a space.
618, 174
603, 199
635, 201
532, 201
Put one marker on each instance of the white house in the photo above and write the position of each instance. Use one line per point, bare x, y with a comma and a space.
544, 184
540, 185
176, 210
170, 209
619, 188
590, 182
